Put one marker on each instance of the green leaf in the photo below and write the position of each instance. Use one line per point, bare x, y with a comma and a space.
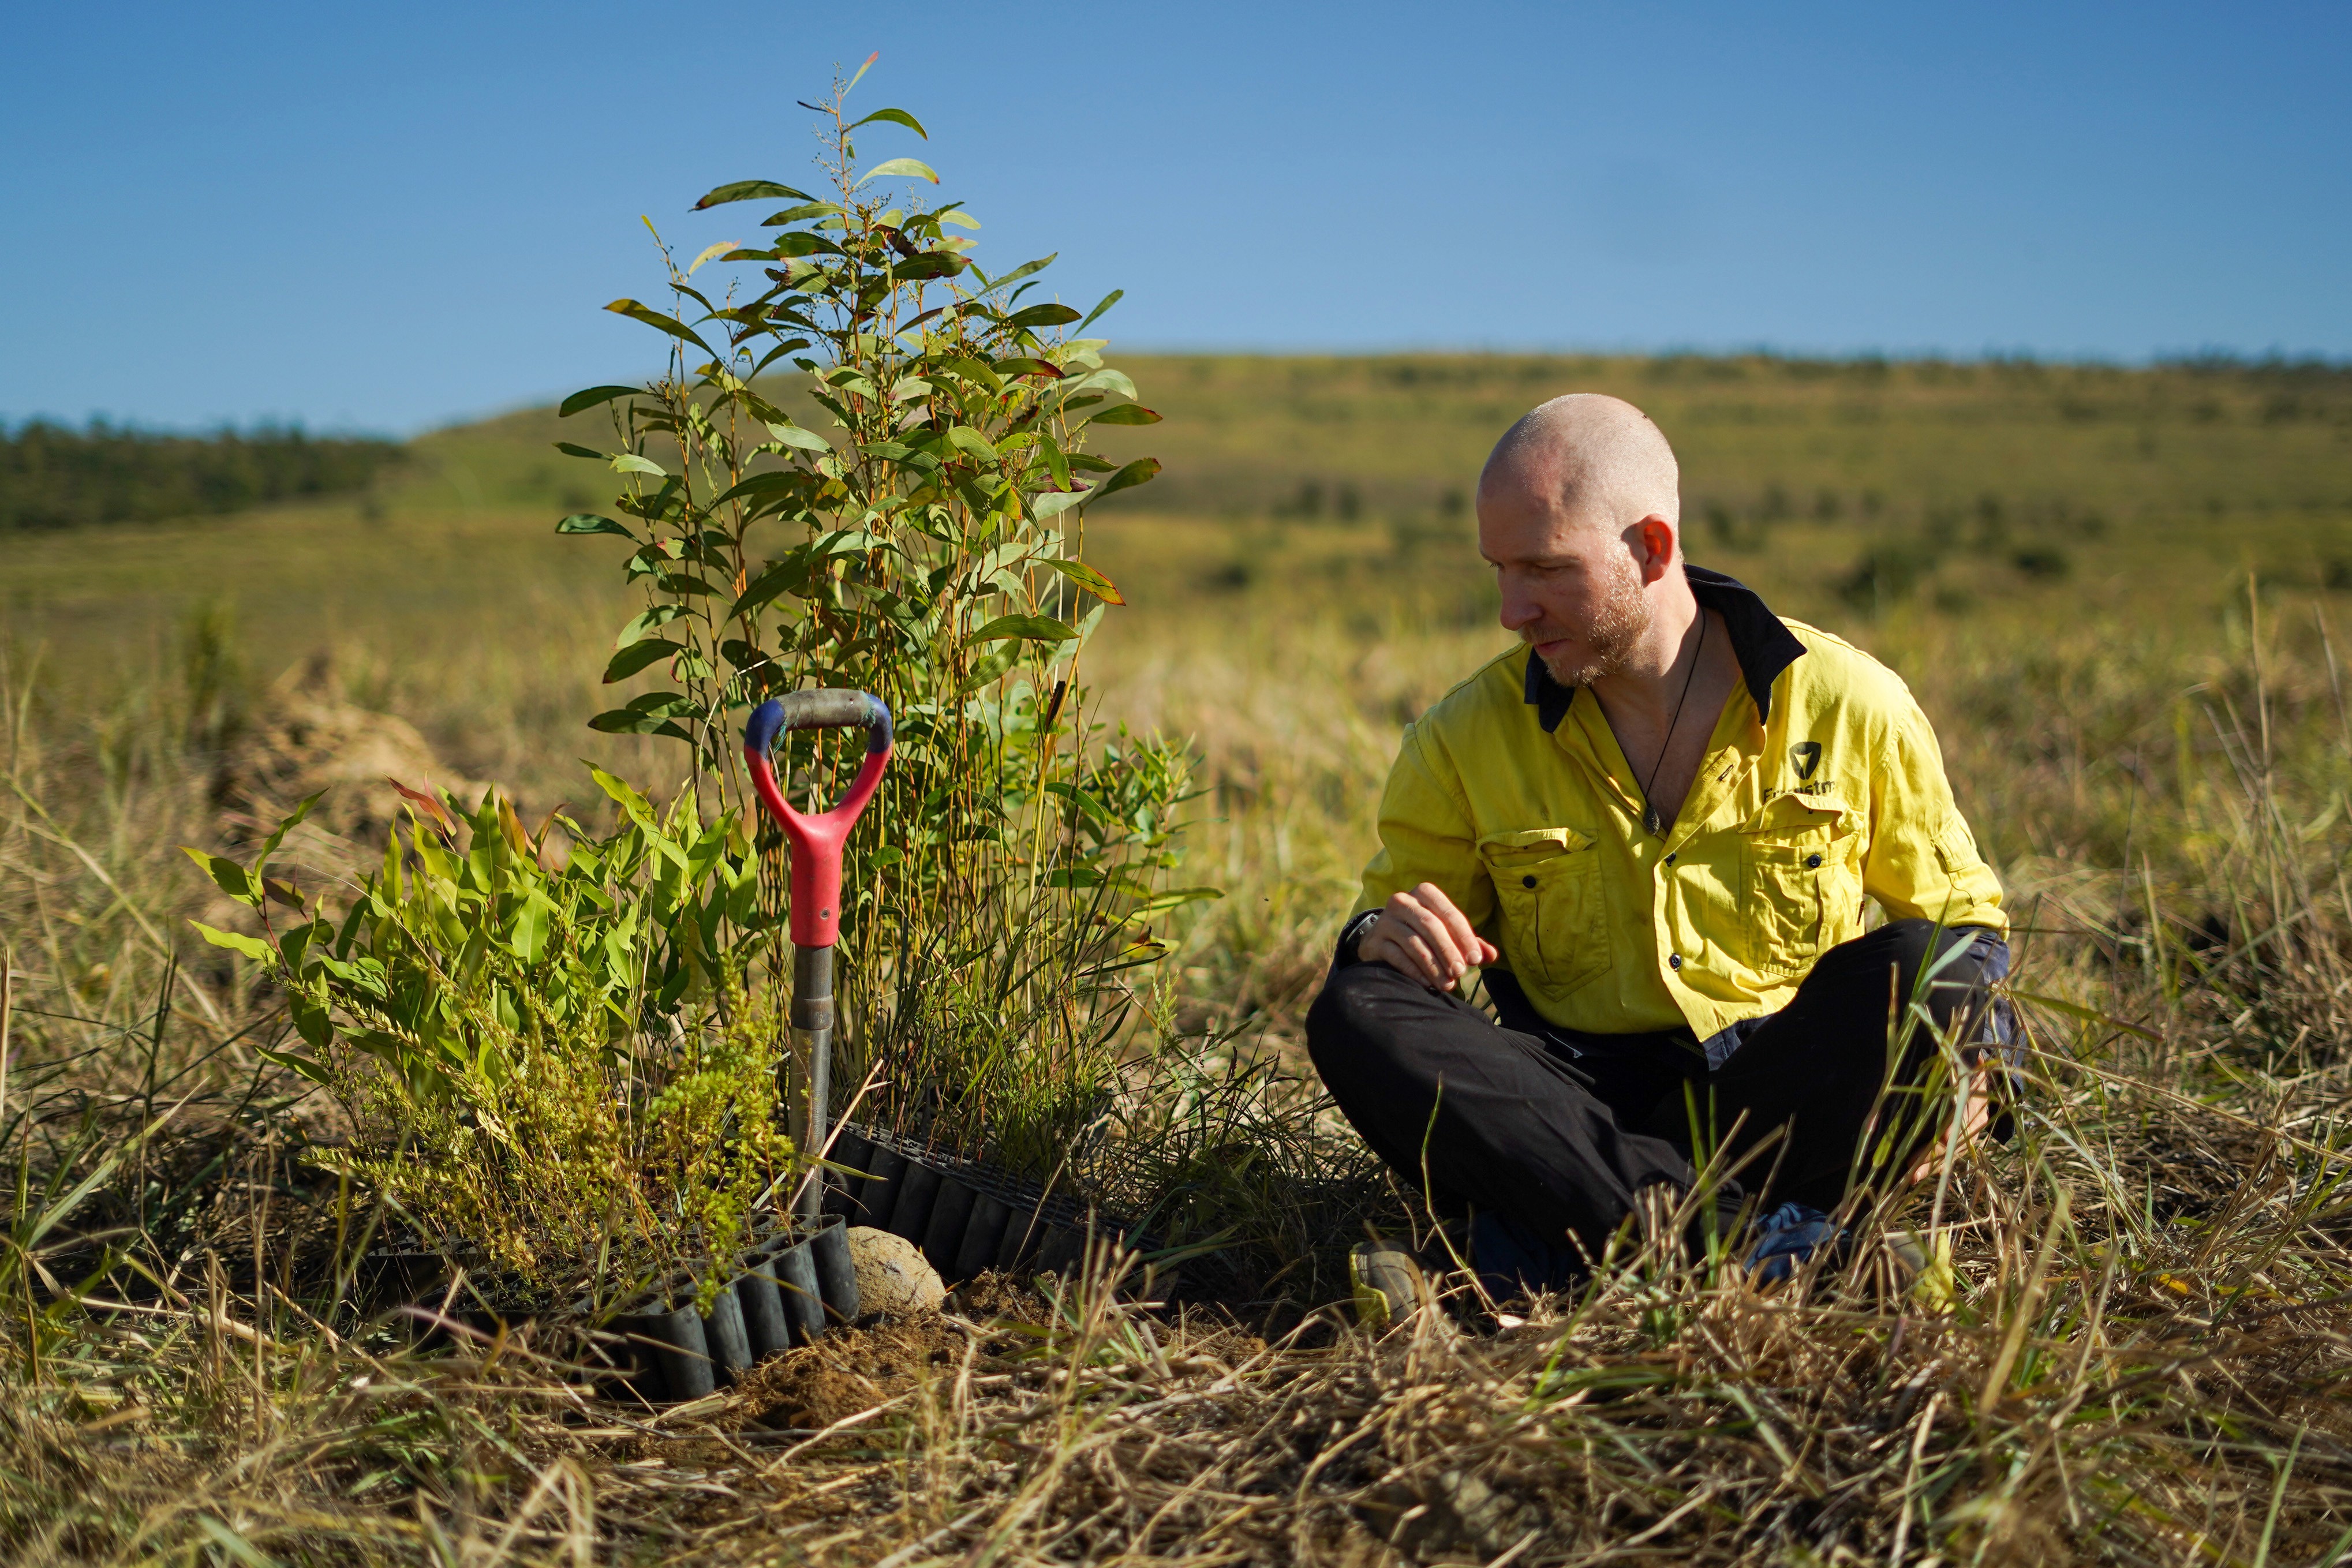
902, 168
655, 318
573, 449
802, 242
252, 948
896, 117
1048, 504
964, 438
630, 463
784, 577
589, 523
753, 190
806, 211
627, 721
931, 264
638, 654
232, 878
1024, 628
292, 821
1090, 579
1139, 472
1041, 316
594, 396
1113, 298
659, 615
1020, 272
1175, 898
1126, 413
794, 435
1018, 365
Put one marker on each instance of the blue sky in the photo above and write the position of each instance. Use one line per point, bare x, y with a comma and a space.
388, 217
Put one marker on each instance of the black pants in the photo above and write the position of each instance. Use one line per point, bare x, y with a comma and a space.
1558, 1130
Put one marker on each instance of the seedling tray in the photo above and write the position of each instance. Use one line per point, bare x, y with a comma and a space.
662, 1347
967, 1216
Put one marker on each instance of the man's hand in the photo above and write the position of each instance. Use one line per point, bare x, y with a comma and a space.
1421, 933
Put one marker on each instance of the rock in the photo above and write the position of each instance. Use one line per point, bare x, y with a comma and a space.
892, 1275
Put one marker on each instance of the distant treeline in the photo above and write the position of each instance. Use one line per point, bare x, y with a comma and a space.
53, 477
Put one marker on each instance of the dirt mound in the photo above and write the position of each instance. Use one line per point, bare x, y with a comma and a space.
305, 736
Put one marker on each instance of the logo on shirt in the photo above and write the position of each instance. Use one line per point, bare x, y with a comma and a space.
1807, 754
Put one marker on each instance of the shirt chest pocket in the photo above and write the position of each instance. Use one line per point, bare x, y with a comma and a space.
1801, 881
1555, 912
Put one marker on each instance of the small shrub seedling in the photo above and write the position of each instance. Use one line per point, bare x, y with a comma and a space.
865, 468
549, 1057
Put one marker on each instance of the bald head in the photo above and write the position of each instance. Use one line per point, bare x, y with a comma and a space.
1593, 458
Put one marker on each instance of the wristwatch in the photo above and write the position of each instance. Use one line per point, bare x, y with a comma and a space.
1352, 933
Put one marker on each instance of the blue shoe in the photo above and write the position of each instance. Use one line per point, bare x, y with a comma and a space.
1786, 1239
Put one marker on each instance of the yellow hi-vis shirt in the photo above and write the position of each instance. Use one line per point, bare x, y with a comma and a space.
1823, 784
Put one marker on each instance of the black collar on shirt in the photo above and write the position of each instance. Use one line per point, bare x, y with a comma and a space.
1763, 645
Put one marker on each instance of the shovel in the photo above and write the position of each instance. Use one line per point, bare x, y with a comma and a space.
816, 886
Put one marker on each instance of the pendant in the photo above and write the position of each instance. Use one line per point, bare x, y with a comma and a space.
1650, 822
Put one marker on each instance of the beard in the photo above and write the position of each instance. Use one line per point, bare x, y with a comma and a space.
1616, 629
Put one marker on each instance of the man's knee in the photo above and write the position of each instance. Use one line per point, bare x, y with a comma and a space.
1354, 1018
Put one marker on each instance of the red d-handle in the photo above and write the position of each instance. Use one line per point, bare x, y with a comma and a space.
816, 840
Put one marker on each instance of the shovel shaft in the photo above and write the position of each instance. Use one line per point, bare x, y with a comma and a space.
812, 1043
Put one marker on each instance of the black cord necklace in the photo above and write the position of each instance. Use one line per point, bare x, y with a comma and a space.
1650, 822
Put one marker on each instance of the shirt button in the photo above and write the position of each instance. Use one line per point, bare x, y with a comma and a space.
1526, 882
1814, 861
1673, 960
1670, 859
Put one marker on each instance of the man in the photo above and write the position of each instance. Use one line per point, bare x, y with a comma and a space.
1653, 826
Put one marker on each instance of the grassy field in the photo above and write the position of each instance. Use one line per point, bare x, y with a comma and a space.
2115, 593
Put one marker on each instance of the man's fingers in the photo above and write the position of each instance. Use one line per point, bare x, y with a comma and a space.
1418, 922
1432, 918
1400, 950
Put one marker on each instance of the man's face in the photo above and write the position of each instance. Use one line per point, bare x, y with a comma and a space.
1571, 587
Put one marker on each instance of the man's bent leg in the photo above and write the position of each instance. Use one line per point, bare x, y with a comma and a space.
1817, 1066
1493, 1118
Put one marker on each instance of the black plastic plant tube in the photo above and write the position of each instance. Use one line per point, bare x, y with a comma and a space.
793, 1268
983, 1236
1061, 1249
1023, 1233
950, 1217
679, 1350
638, 1356
910, 1217
723, 1333
877, 1195
855, 1151
836, 1279
766, 1326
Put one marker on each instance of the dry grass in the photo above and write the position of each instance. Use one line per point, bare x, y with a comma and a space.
2141, 1355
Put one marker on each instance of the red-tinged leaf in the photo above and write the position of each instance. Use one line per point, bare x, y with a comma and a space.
910, 169
896, 117
1090, 579
431, 807
1019, 366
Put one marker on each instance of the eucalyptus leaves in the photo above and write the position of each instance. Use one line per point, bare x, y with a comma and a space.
865, 468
